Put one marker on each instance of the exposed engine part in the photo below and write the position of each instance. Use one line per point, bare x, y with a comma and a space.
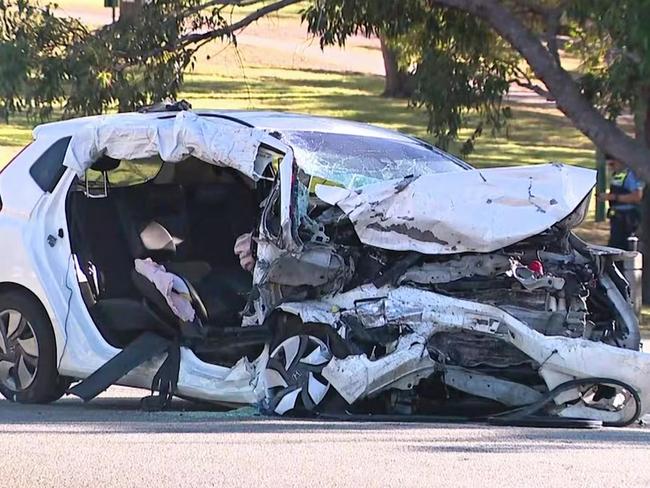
317, 265
472, 350
552, 323
534, 281
627, 317
467, 266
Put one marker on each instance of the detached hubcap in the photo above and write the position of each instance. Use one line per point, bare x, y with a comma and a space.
18, 351
293, 374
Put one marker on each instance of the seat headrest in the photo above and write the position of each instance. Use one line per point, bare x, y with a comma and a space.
105, 163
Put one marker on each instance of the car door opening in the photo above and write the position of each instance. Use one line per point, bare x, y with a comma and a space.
185, 216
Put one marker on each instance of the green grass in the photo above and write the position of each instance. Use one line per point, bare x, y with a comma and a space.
13, 137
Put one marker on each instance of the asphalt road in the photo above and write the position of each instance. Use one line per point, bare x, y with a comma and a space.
111, 443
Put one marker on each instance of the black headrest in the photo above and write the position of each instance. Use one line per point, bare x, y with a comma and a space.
105, 163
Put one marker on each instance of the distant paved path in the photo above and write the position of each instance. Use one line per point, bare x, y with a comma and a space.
110, 443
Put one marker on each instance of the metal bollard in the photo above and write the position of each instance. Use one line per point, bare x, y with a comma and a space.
633, 272
633, 243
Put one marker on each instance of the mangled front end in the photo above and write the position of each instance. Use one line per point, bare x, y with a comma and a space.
449, 293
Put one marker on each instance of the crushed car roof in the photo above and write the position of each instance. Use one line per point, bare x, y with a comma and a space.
225, 138
173, 136
267, 120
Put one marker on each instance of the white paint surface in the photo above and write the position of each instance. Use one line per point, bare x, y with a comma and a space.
467, 211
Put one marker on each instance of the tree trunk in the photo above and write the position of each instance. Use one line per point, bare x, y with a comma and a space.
642, 133
396, 84
130, 10
585, 117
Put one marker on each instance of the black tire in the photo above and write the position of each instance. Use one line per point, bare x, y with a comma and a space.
286, 327
33, 334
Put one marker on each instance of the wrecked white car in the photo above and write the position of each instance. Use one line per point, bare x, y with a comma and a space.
387, 276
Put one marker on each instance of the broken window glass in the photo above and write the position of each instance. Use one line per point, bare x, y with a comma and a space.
354, 161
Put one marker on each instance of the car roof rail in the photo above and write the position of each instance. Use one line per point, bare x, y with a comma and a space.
166, 106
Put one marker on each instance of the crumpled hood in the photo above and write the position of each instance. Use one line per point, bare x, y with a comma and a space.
467, 211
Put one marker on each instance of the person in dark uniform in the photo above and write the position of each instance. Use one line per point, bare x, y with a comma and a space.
624, 197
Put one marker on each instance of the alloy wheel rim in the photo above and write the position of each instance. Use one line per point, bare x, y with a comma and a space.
18, 351
293, 374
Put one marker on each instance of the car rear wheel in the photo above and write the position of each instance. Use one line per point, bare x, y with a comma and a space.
28, 372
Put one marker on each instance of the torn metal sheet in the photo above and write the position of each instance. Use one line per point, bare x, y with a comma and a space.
357, 376
467, 266
319, 312
137, 136
503, 391
316, 266
426, 312
467, 211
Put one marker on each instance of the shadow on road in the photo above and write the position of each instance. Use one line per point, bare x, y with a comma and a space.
120, 415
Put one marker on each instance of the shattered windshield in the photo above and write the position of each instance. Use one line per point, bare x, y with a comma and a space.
354, 161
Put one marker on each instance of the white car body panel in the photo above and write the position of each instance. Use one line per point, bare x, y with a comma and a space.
19, 261
81, 350
523, 202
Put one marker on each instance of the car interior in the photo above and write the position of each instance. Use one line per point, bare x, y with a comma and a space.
185, 216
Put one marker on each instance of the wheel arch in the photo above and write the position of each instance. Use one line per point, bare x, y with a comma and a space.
10, 286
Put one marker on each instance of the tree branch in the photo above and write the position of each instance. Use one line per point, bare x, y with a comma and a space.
604, 134
199, 39
533, 87
228, 30
221, 3
524, 81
